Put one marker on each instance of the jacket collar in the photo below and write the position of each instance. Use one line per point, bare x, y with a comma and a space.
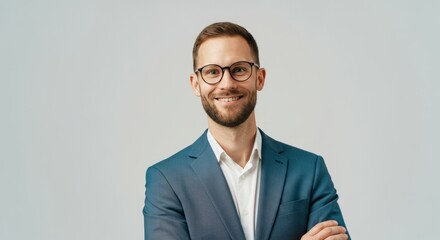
207, 169
273, 173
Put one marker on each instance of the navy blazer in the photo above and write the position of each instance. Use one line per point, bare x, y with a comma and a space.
187, 196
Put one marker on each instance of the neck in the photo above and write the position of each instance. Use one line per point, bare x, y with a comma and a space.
236, 141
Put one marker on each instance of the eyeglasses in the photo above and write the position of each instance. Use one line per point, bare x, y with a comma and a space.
239, 71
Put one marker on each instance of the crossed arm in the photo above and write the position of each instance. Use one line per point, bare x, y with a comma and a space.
328, 230
325, 217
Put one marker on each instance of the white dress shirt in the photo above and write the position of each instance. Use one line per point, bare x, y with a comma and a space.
244, 183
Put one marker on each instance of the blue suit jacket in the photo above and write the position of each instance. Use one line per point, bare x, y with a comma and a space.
187, 196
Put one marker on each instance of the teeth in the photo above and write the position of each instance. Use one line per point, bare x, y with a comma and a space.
228, 99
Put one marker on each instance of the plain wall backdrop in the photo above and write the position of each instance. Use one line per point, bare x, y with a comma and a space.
92, 92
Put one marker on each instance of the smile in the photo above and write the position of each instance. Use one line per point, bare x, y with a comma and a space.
228, 99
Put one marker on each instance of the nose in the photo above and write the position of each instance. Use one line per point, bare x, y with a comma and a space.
227, 81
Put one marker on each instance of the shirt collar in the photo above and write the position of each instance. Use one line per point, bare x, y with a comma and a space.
218, 150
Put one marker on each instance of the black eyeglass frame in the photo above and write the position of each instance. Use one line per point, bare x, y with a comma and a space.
229, 69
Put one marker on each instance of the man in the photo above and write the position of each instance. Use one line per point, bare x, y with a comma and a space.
235, 182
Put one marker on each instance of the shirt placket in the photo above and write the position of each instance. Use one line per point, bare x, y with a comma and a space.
244, 195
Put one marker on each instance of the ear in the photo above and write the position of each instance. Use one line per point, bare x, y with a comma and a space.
261, 77
194, 81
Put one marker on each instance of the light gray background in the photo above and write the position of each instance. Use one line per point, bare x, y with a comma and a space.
92, 92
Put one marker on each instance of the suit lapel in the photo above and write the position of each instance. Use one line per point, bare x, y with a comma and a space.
208, 170
273, 174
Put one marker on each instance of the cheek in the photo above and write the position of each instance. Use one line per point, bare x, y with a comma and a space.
206, 90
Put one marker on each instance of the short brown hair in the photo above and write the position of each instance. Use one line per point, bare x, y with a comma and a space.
225, 29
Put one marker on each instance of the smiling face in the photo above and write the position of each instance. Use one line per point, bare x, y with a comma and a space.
228, 103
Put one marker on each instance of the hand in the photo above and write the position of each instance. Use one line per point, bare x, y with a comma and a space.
328, 230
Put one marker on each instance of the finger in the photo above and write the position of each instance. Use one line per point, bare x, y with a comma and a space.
330, 231
318, 227
338, 237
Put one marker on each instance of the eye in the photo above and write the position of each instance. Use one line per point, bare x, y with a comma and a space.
240, 70
211, 71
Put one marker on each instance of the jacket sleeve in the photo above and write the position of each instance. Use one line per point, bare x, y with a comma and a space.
163, 212
324, 201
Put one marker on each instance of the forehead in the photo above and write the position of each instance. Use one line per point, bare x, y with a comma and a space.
224, 50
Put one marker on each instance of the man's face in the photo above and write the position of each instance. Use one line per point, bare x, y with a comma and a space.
229, 102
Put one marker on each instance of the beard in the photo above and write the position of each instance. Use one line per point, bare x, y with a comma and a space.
233, 117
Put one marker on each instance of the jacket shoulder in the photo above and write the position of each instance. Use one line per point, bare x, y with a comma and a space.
175, 161
289, 151
298, 152
184, 157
